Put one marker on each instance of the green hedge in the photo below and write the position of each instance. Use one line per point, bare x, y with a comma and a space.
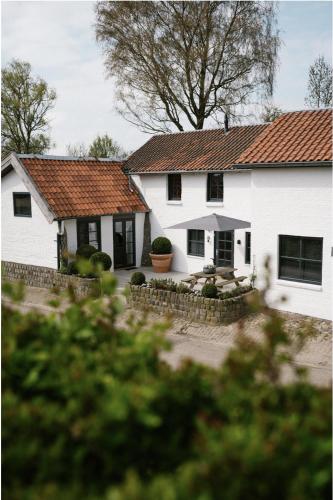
91, 412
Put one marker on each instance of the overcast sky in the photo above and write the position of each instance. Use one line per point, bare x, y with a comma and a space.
58, 39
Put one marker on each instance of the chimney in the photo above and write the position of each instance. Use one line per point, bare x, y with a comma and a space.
226, 123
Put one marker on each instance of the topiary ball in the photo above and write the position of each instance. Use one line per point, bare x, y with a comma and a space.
72, 268
161, 245
101, 258
209, 291
138, 278
86, 251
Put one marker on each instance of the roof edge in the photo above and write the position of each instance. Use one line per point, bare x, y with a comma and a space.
13, 162
69, 158
294, 164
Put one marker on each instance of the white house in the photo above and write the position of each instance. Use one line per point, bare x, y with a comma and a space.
278, 177
52, 201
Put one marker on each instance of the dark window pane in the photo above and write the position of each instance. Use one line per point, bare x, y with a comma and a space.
22, 204
196, 242
290, 268
312, 271
215, 187
247, 248
290, 246
88, 232
174, 187
312, 248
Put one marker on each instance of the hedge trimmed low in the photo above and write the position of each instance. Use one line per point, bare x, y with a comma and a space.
101, 258
86, 251
161, 246
138, 278
209, 291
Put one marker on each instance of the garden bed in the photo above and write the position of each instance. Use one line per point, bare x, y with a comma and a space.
191, 306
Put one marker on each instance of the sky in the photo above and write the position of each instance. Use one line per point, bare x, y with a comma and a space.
58, 40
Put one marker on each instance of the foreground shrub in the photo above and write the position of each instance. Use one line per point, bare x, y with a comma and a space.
163, 284
209, 291
101, 259
86, 251
235, 292
91, 412
138, 278
161, 245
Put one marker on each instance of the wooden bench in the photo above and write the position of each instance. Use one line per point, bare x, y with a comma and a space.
187, 280
236, 280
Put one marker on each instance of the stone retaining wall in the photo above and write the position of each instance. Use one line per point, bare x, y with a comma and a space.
45, 277
190, 306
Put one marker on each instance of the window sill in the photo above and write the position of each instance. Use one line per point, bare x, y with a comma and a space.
298, 284
196, 256
174, 202
214, 203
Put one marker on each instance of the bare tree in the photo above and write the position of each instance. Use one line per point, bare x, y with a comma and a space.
78, 150
177, 64
319, 84
270, 113
25, 104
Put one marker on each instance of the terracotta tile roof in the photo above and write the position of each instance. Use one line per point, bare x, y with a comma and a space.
83, 187
299, 136
192, 151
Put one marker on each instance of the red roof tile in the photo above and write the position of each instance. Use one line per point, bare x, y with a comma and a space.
193, 151
299, 136
83, 187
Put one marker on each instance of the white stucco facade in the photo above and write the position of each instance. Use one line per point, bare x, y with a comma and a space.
28, 240
293, 201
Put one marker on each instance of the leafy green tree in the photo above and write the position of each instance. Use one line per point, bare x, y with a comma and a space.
26, 102
270, 113
90, 411
320, 84
105, 147
177, 64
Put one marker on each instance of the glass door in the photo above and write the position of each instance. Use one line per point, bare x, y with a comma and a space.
224, 248
124, 241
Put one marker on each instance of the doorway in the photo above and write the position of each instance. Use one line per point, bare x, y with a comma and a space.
224, 248
124, 241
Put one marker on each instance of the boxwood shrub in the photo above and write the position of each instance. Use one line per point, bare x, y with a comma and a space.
161, 245
101, 258
138, 278
209, 291
86, 251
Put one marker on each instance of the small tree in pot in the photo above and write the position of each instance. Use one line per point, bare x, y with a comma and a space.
161, 255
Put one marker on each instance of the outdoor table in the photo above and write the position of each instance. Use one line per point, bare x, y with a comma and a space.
221, 272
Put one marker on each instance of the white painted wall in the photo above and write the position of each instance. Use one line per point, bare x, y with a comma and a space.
27, 240
297, 202
237, 204
139, 225
276, 201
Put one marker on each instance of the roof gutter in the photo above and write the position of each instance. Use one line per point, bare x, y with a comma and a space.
167, 172
250, 166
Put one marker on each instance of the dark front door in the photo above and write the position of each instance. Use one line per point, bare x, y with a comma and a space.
124, 241
224, 248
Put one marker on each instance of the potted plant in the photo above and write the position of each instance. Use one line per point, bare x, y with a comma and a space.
161, 255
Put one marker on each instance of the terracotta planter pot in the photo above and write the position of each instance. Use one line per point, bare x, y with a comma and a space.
161, 263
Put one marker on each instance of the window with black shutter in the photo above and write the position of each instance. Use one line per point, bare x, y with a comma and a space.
196, 242
215, 187
300, 259
22, 204
247, 248
89, 232
174, 187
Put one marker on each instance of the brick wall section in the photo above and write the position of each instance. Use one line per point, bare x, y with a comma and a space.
45, 277
190, 306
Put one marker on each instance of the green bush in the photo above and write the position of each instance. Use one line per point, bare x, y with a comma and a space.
209, 291
235, 292
86, 251
161, 245
101, 258
163, 284
182, 288
138, 278
72, 268
91, 411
